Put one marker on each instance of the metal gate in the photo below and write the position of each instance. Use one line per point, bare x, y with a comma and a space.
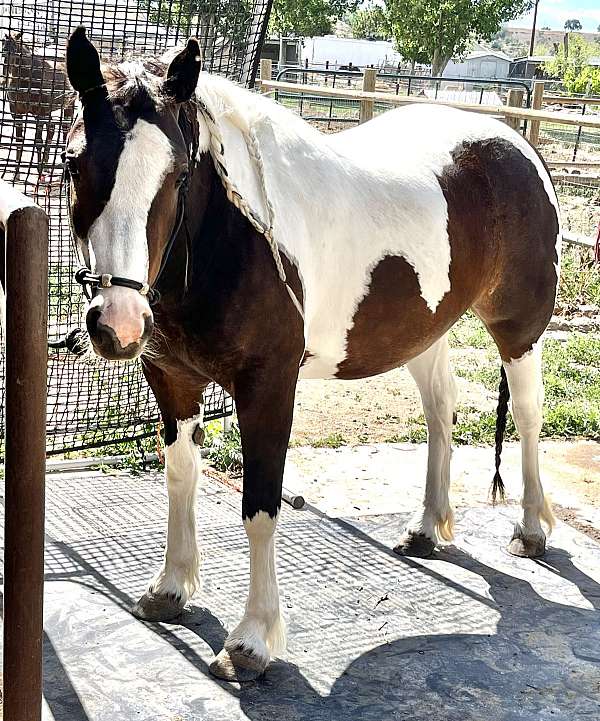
90, 401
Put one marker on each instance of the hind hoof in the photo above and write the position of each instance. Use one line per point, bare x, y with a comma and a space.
415, 544
527, 547
238, 665
158, 607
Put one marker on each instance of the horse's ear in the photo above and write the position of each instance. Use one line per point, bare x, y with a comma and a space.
83, 62
182, 74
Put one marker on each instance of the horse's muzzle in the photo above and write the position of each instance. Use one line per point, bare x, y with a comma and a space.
120, 323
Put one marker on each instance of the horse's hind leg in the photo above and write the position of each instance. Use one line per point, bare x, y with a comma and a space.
517, 333
431, 371
527, 392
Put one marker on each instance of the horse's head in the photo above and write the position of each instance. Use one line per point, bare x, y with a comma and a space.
127, 161
11, 45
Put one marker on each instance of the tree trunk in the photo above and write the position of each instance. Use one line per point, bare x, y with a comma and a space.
412, 66
438, 63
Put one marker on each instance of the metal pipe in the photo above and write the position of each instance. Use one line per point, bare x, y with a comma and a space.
26, 229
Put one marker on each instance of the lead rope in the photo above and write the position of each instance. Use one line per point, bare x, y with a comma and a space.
234, 196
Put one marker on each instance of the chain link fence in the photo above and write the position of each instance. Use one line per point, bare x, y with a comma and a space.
92, 402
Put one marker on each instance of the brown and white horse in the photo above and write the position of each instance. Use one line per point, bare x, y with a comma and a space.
296, 254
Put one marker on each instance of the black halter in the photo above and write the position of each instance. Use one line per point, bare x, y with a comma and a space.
88, 280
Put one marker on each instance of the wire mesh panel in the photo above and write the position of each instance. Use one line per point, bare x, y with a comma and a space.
91, 401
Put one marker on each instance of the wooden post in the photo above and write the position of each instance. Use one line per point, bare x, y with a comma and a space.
368, 85
536, 104
514, 100
266, 72
26, 234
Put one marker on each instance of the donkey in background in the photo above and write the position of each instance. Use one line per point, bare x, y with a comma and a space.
36, 87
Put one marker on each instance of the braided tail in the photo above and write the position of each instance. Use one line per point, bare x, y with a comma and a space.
501, 411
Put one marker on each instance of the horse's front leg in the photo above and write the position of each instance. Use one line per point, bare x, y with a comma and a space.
178, 577
265, 410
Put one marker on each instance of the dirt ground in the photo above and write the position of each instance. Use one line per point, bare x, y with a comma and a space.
370, 410
359, 414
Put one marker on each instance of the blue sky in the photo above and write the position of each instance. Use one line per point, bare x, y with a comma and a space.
554, 13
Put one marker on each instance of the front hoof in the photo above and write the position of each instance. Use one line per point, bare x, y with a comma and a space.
532, 547
238, 665
415, 544
158, 607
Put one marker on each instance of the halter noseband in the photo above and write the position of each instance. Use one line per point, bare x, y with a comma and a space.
88, 280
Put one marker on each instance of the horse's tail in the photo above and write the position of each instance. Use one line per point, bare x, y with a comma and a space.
501, 412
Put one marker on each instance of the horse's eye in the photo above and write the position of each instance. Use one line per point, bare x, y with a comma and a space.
182, 179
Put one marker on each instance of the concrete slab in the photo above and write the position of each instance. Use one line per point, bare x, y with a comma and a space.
472, 633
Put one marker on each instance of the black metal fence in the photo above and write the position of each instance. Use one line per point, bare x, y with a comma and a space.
92, 402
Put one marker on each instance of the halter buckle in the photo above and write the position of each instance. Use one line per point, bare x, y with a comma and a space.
105, 280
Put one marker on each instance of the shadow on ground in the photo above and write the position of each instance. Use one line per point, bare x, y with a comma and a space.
469, 634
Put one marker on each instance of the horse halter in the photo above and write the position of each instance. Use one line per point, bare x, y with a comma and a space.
90, 282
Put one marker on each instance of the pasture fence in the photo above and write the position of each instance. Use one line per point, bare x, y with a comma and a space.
331, 110
92, 402
336, 110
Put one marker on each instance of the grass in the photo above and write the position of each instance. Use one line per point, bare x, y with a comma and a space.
579, 279
334, 440
571, 379
224, 448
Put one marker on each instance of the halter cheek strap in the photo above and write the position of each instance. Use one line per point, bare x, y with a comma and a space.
89, 280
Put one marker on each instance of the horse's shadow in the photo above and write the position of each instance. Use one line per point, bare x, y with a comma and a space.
542, 658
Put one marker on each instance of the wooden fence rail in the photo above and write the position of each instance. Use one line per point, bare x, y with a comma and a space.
503, 111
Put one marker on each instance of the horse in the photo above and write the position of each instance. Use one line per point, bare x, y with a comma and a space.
34, 86
215, 249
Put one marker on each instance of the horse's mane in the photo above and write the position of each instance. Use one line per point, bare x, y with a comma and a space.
138, 83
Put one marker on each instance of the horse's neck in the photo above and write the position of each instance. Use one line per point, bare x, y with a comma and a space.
220, 236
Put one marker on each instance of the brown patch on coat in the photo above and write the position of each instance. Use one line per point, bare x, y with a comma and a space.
496, 225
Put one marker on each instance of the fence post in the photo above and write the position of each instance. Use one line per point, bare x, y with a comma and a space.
266, 72
368, 85
514, 100
536, 104
25, 229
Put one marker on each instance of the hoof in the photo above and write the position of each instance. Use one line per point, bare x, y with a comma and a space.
237, 665
527, 547
157, 607
415, 544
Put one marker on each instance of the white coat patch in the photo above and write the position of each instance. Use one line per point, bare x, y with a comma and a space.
118, 235
344, 202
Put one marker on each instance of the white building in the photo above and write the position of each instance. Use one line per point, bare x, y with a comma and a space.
479, 64
342, 51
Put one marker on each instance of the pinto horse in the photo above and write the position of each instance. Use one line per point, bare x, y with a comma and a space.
205, 214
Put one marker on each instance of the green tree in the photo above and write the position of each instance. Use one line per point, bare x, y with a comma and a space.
210, 19
573, 25
572, 66
442, 29
370, 22
308, 17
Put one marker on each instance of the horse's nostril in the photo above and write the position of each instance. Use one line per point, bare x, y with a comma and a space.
92, 318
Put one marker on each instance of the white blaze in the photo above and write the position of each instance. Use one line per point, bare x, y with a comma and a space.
118, 235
